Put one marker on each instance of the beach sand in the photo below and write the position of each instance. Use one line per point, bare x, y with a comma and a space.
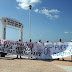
10, 64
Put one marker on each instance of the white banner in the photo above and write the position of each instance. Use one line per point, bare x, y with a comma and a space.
37, 50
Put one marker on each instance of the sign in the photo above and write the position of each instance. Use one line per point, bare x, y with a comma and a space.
46, 51
12, 22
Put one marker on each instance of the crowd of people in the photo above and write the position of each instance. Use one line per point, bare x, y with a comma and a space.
30, 45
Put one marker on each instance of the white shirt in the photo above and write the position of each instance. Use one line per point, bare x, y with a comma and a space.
25, 44
46, 44
30, 45
39, 46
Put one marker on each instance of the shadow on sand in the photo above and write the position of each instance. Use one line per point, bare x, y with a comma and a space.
47, 60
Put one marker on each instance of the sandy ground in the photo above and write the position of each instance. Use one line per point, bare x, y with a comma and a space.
10, 64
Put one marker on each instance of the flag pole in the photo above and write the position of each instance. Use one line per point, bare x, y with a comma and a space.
30, 7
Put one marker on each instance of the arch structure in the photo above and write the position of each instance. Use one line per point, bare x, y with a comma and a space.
12, 23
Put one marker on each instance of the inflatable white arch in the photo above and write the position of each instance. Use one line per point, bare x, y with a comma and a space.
12, 23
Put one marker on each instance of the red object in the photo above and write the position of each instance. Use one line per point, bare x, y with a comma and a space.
27, 44
5, 42
0, 41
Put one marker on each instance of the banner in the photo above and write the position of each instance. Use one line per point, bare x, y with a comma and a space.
37, 50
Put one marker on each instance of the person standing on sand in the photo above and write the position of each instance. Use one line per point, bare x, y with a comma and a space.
39, 42
30, 45
46, 43
60, 40
40, 46
71, 55
20, 55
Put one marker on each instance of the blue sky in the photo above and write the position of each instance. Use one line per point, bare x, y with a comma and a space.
50, 19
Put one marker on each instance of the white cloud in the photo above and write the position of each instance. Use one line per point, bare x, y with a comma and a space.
18, 7
36, 10
52, 14
66, 32
53, 11
24, 4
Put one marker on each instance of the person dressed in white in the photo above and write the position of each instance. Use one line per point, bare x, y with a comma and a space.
0, 44
46, 44
40, 46
71, 55
30, 45
14, 47
26, 47
60, 41
20, 55
26, 44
